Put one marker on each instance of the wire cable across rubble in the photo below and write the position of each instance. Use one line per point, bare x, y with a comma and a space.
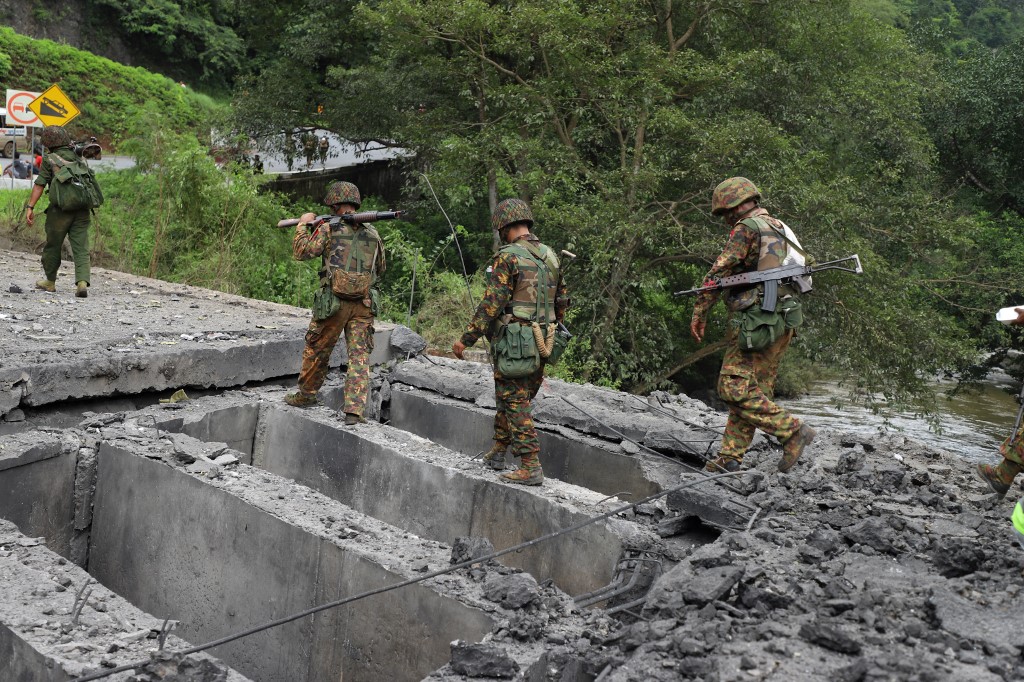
411, 581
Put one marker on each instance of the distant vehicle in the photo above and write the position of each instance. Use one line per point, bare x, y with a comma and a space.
11, 135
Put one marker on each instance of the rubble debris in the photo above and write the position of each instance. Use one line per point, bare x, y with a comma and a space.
482, 660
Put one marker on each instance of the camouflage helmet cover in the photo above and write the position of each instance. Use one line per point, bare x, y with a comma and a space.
342, 193
731, 193
509, 212
55, 136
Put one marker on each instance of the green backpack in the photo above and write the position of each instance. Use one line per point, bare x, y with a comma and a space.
74, 185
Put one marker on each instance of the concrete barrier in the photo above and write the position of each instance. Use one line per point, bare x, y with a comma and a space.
468, 429
412, 484
181, 548
37, 485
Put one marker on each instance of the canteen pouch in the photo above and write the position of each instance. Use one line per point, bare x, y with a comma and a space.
561, 341
757, 329
792, 311
374, 302
515, 352
325, 303
351, 286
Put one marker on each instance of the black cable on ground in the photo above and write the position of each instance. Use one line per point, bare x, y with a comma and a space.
411, 581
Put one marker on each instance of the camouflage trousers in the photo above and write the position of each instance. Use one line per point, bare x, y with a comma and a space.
356, 320
1014, 451
747, 385
513, 420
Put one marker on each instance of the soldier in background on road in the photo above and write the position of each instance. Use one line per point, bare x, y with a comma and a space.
257, 165
325, 145
345, 250
523, 273
309, 148
289, 151
746, 382
999, 478
60, 224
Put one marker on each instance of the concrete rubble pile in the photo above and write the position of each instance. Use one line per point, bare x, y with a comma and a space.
874, 559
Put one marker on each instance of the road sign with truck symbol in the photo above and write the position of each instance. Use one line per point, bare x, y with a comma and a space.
54, 108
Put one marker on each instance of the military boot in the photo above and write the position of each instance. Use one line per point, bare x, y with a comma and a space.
794, 447
353, 419
300, 399
82, 289
495, 457
46, 285
524, 476
721, 465
999, 478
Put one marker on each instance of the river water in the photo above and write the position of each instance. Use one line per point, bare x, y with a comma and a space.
972, 424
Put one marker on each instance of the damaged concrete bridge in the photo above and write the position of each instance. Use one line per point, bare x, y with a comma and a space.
132, 530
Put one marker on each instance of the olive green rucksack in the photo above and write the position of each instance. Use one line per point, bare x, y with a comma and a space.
74, 185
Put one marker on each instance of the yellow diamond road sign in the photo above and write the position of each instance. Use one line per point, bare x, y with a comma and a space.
53, 107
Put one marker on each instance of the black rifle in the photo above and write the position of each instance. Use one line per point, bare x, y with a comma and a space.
787, 274
1020, 414
350, 218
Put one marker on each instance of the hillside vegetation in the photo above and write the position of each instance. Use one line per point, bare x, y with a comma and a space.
112, 97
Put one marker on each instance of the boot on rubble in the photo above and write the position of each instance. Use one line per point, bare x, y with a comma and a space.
999, 478
794, 447
82, 289
46, 285
495, 457
524, 476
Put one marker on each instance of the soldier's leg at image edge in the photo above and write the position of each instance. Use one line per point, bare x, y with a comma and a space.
359, 344
1000, 477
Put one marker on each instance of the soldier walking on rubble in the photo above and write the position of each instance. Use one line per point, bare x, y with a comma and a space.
746, 382
525, 293
352, 258
999, 478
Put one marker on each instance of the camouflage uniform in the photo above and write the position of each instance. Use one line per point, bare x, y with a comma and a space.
359, 247
511, 290
747, 379
60, 224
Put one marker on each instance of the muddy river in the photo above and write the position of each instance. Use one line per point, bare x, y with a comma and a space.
972, 423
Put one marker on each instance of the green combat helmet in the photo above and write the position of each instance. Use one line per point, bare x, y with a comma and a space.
342, 193
511, 211
731, 193
55, 136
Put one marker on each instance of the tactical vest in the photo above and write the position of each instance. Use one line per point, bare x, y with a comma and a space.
352, 250
773, 252
533, 297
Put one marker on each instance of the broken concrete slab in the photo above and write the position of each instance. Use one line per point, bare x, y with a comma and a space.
42, 634
135, 334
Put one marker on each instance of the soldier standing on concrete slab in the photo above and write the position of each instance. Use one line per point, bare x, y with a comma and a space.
999, 478
60, 224
747, 379
522, 275
349, 253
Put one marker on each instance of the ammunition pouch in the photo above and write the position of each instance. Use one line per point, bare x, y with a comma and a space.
325, 303
758, 329
351, 286
515, 351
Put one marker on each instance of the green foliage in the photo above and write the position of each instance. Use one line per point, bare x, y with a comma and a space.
109, 94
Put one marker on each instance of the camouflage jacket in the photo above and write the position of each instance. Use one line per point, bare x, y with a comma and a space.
741, 254
306, 244
503, 275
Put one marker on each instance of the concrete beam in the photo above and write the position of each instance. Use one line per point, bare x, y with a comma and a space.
40, 639
37, 483
223, 554
435, 493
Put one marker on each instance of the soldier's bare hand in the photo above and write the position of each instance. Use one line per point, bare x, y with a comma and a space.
307, 217
458, 348
1018, 322
697, 329
30, 216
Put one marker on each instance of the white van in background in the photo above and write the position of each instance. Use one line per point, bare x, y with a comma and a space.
11, 136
